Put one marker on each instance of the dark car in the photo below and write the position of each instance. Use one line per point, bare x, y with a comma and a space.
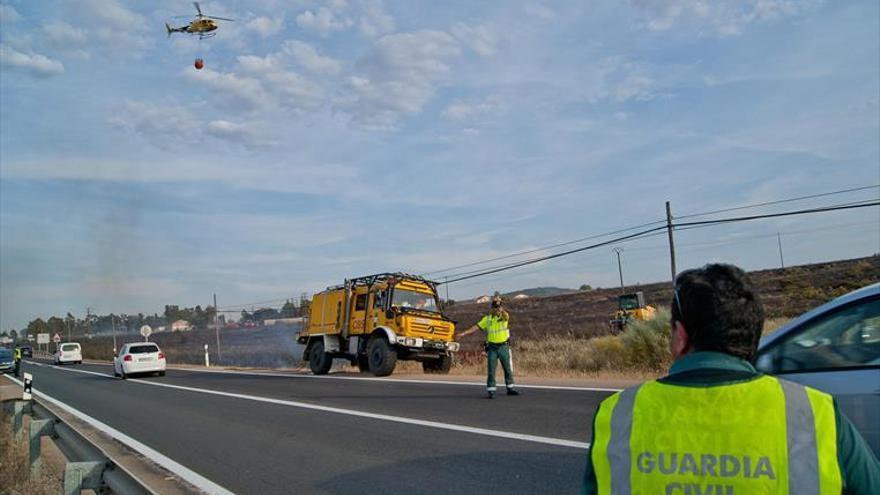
834, 348
7, 361
27, 351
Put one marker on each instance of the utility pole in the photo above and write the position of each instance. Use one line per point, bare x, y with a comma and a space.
217, 328
671, 241
113, 324
779, 240
617, 251
446, 278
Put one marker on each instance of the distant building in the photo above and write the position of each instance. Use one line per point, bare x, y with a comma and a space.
482, 299
181, 326
521, 296
161, 328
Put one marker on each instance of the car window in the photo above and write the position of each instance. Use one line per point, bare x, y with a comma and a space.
143, 349
69, 347
4, 354
847, 338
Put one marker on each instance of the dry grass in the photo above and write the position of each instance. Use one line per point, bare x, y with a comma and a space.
641, 351
15, 466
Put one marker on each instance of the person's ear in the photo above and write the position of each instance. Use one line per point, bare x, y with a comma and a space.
680, 341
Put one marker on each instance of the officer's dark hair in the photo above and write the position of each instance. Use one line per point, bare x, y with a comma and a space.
720, 310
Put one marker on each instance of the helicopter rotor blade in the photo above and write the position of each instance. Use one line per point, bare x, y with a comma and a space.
198, 9
220, 18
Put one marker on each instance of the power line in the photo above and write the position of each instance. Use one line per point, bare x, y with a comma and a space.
780, 201
823, 209
530, 251
655, 231
557, 255
644, 233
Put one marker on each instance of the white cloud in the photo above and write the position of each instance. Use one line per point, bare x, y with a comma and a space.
540, 11
324, 21
398, 77
265, 26
113, 14
466, 111
32, 63
725, 17
267, 83
246, 134
481, 39
617, 79
62, 34
8, 14
163, 124
245, 92
375, 22
305, 55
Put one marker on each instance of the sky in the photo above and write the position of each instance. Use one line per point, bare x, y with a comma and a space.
325, 140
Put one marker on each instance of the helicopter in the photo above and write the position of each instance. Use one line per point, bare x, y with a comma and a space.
202, 26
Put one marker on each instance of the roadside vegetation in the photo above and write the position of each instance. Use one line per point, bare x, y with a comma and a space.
642, 349
15, 466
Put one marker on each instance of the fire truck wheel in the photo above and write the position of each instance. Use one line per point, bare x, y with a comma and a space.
382, 357
363, 364
319, 361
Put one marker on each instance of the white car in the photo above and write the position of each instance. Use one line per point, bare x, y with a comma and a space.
139, 357
69, 352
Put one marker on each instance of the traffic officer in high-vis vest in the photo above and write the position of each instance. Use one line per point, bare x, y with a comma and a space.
495, 324
17, 357
717, 426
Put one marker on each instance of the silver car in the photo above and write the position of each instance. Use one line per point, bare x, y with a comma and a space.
834, 348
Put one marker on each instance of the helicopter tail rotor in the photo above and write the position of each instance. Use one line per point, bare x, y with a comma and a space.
168, 28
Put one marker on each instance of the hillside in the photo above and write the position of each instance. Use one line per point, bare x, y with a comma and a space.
540, 292
785, 293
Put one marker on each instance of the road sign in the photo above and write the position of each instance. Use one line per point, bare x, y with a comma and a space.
42, 338
56, 338
146, 331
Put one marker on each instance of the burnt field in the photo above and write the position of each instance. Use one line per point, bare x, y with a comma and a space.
785, 293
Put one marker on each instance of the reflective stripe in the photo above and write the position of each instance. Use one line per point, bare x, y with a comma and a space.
619, 455
803, 460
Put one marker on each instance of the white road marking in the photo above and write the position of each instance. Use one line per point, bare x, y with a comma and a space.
353, 412
377, 379
175, 467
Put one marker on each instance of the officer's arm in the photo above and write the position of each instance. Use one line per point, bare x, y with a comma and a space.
468, 331
859, 467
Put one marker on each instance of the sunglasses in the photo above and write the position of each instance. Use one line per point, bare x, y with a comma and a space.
677, 300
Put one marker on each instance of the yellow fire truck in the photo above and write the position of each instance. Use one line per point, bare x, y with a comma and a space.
376, 320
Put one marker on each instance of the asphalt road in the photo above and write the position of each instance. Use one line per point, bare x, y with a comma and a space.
258, 433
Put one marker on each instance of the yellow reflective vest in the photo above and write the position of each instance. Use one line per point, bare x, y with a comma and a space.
495, 328
762, 436
17, 354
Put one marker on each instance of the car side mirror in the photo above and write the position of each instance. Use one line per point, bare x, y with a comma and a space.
765, 363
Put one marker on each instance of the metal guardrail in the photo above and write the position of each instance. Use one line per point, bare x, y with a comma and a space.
87, 467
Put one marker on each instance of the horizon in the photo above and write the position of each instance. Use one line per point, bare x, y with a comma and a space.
326, 139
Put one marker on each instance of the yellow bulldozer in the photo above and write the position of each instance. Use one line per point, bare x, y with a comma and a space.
631, 307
